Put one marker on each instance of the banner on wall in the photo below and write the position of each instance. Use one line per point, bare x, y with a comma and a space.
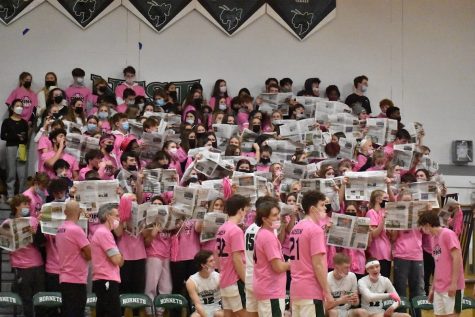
302, 17
231, 16
182, 87
12, 10
85, 12
159, 14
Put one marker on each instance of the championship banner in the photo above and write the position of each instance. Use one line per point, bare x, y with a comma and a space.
159, 14
11, 10
302, 17
85, 12
231, 16
182, 87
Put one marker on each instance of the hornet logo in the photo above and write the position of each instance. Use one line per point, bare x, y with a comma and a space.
230, 17
159, 12
8, 8
302, 21
84, 8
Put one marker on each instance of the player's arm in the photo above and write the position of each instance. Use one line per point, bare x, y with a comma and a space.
238, 265
456, 264
191, 288
321, 273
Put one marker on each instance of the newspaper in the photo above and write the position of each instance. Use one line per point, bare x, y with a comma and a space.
326, 186
147, 215
362, 184
93, 194
212, 222
52, 216
193, 202
78, 145
445, 213
425, 191
127, 180
294, 171
19, 235
282, 150
414, 129
349, 231
429, 164
347, 148
332, 107
248, 138
404, 155
136, 128
73, 127
271, 102
403, 215
151, 144
352, 132
297, 127
158, 181
225, 131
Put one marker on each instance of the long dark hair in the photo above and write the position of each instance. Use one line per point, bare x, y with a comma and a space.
217, 92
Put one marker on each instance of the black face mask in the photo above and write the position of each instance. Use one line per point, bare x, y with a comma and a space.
350, 214
200, 134
102, 89
193, 179
173, 94
243, 171
58, 99
27, 84
328, 207
256, 128
214, 144
109, 148
78, 110
192, 143
198, 101
383, 204
132, 168
265, 160
50, 83
56, 115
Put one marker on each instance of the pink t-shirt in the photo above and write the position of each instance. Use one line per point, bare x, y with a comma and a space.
331, 249
212, 103
306, 240
427, 242
103, 243
132, 248
389, 149
119, 91
121, 108
188, 242
262, 168
29, 256
358, 260
360, 162
52, 256
79, 92
444, 242
28, 99
70, 239
36, 201
267, 284
408, 245
229, 239
209, 245
43, 144
74, 166
160, 246
380, 247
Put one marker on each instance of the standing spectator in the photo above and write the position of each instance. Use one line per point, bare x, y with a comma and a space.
357, 97
26, 95
129, 76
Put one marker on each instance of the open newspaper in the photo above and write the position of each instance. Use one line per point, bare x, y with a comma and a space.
404, 155
326, 186
414, 129
447, 212
403, 215
193, 202
347, 148
225, 131
151, 144
78, 145
93, 194
19, 235
361, 184
148, 215
52, 216
250, 185
212, 222
349, 231
381, 130
309, 103
425, 191
248, 138
271, 102
428, 163
158, 181
282, 150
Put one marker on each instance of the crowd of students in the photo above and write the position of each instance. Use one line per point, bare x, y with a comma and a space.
259, 254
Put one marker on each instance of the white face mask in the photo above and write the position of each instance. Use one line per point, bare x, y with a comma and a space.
223, 89
18, 110
276, 224
115, 224
364, 88
79, 80
190, 121
223, 106
173, 150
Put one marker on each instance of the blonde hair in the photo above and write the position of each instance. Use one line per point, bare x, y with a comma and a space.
375, 194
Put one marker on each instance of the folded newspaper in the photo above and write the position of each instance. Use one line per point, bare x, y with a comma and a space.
361, 184
349, 231
52, 216
19, 235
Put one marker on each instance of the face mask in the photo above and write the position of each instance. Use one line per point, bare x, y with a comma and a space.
132, 168
316, 91
130, 81
18, 110
256, 128
370, 152
78, 110
265, 160
173, 94
200, 134
58, 99
56, 115
192, 143
364, 88
91, 127
103, 115
383, 204
190, 121
109, 148
115, 224
160, 102
223, 89
125, 126
79, 80
102, 89
27, 84
173, 150
193, 179
243, 171
300, 115
328, 207
25, 212
198, 101
210, 269
276, 224
50, 83
223, 106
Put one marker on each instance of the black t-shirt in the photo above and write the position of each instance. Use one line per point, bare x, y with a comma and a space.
11, 131
363, 100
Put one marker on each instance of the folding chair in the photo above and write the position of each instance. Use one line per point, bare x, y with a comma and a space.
9, 299
172, 301
405, 304
47, 300
468, 303
421, 302
135, 301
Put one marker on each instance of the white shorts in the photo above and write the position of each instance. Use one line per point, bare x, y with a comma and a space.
251, 302
307, 307
271, 307
446, 305
233, 298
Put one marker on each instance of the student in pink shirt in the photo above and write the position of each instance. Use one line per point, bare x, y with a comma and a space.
309, 288
230, 252
176, 156
27, 262
58, 139
103, 115
77, 90
121, 127
106, 261
384, 105
364, 155
129, 100
129, 76
106, 143
93, 160
74, 254
270, 269
449, 281
357, 256
380, 247
216, 205
220, 91
402, 137
37, 192
26, 95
